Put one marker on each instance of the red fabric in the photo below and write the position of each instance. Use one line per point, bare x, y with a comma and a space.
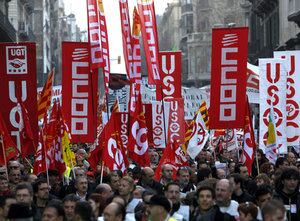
105, 46
40, 158
138, 141
150, 40
10, 147
170, 64
228, 78
122, 124
79, 92
113, 154
26, 135
18, 80
126, 36
249, 140
95, 51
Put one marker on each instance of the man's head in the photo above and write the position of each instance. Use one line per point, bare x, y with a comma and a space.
104, 190
53, 211
5, 203
14, 176
281, 163
167, 172
273, 210
237, 181
14, 165
3, 184
41, 189
290, 180
221, 174
24, 193
183, 176
126, 186
172, 192
247, 211
242, 170
114, 179
79, 172
81, 185
291, 158
205, 197
114, 212
224, 191
263, 194
159, 207
69, 203
147, 176
83, 211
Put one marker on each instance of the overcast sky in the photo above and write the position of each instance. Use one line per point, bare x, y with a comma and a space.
111, 10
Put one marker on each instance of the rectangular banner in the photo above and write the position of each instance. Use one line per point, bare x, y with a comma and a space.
158, 126
174, 112
79, 92
18, 80
170, 66
228, 77
126, 35
150, 39
292, 95
105, 46
272, 91
122, 122
95, 51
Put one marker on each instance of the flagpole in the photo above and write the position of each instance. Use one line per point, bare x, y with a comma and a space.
102, 171
4, 156
164, 118
45, 157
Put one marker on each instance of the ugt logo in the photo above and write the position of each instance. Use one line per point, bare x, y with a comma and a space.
16, 60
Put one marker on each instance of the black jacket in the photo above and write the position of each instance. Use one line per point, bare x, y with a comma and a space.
214, 214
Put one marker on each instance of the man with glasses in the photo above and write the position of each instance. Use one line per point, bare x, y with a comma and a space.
14, 177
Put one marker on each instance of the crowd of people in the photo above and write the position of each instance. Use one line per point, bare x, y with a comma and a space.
209, 189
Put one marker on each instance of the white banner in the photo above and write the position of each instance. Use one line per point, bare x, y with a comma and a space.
158, 125
292, 95
272, 90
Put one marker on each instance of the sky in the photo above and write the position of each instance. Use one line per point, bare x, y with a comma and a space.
112, 13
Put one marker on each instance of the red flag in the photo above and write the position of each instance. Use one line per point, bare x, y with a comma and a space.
26, 135
96, 59
138, 140
105, 45
126, 36
228, 77
113, 151
54, 134
40, 159
9, 147
150, 39
249, 140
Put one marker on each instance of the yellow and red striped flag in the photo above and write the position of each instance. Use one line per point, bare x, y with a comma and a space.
204, 113
45, 100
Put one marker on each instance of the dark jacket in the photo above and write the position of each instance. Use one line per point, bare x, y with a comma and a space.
245, 197
214, 214
290, 201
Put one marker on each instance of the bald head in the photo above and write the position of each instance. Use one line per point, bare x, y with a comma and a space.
114, 211
167, 172
224, 190
147, 176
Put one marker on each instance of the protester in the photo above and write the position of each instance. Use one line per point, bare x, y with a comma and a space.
166, 174
83, 211
160, 208
247, 211
5, 203
239, 193
69, 203
114, 212
183, 176
54, 211
273, 210
81, 186
147, 181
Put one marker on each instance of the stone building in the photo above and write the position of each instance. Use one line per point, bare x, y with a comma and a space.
7, 30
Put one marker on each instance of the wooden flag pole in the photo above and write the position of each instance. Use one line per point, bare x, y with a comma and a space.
4, 156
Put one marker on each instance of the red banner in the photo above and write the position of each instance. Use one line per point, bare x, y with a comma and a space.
105, 45
126, 35
18, 79
170, 66
150, 40
122, 121
79, 92
176, 123
228, 77
96, 59
136, 76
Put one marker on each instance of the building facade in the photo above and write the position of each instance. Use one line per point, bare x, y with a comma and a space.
7, 30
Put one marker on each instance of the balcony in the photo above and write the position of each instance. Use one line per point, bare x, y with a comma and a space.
25, 32
7, 31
